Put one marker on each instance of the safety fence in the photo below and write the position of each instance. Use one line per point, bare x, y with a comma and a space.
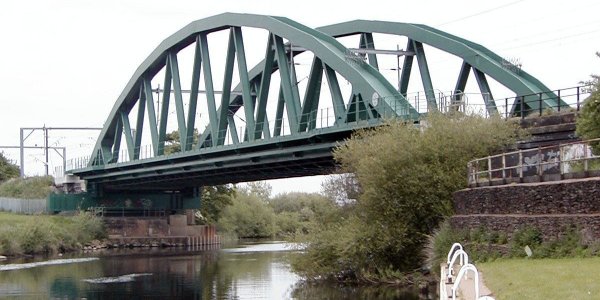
23, 206
411, 105
556, 162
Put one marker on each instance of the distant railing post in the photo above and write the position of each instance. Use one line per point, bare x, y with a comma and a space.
503, 168
490, 169
578, 98
540, 171
522, 106
560, 159
585, 157
558, 100
520, 165
506, 108
540, 102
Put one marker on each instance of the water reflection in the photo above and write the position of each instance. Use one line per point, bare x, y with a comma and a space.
322, 291
249, 271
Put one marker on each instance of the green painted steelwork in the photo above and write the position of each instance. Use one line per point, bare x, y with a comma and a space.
481, 59
125, 200
297, 146
250, 95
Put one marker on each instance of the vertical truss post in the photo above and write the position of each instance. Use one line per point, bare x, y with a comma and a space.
425, 75
127, 134
484, 87
117, 141
164, 110
191, 119
311, 97
227, 78
263, 93
339, 108
244, 82
178, 101
366, 42
151, 115
289, 95
139, 125
208, 85
279, 113
232, 130
406, 68
461, 82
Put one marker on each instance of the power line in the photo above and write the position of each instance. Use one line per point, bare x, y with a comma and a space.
564, 37
480, 13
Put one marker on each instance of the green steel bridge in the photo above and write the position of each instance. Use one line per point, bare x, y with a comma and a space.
240, 120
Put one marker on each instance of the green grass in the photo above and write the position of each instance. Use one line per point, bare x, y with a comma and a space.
13, 219
27, 234
28, 188
566, 278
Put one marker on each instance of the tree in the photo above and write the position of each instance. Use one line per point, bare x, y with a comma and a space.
214, 201
341, 188
407, 175
7, 169
261, 189
172, 143
249, 216
588, 121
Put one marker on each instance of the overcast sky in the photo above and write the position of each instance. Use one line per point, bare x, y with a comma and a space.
65, 62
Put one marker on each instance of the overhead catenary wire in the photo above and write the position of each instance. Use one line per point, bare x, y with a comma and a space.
480, 13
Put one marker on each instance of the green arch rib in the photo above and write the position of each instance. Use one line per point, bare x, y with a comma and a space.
477, 56
365, 80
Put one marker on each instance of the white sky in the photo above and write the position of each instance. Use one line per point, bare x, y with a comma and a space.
65, 62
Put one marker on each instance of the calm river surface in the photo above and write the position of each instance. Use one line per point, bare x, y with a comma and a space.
242, 271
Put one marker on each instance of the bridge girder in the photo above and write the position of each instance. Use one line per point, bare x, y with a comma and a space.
475, 56
307, 150
372, 95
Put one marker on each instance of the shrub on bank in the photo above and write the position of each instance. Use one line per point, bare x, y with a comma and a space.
38, 187
406, 175
48, 234
487, 245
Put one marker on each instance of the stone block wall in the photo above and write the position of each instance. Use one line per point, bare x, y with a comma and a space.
575, 196
136, 227
175, 225
549, 206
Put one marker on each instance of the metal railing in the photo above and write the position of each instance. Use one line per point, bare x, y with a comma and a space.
330, 117
306, 124
557, 162
102, 211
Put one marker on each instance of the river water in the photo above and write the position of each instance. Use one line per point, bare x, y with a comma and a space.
243, 271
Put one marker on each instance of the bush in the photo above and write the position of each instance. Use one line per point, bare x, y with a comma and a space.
8, 243
38, 237
440, 241
88, 227
407, 175
29, 188
588, 121
47, 234
484, 245
248, 217
7, 169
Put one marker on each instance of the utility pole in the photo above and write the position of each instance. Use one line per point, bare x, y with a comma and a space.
46, 146
63, 155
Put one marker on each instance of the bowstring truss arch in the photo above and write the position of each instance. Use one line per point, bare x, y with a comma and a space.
371, 92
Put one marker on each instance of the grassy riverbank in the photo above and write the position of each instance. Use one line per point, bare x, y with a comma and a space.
37, 187
34, 234
565, 278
